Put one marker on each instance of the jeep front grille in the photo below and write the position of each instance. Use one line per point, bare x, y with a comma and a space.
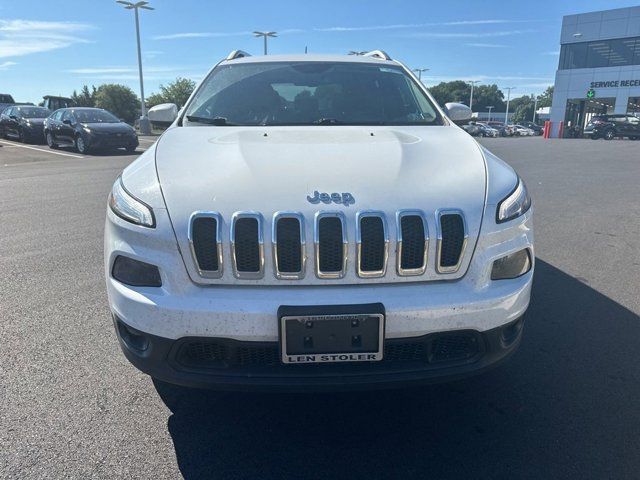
373, 232
205, 242
247, 251
452, 239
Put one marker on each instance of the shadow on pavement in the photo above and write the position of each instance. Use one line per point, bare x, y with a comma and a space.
565, 405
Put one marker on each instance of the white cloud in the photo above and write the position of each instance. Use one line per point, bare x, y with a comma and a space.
6, 65
25, 37
498, 33
121, 73
486, 45
176, 36
553, 53
400, 26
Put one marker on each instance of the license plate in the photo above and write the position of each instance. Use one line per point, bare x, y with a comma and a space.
351, 333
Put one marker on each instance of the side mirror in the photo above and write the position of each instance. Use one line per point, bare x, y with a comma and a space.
66, 121
163, 114
13, 117
458, 113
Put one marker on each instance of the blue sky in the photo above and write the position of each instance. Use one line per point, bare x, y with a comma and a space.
56, 46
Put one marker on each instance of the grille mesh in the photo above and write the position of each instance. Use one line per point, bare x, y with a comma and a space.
413, 242
452, 230
436, 349
372, 244
330, 244
247, 246
288, 245
205, 243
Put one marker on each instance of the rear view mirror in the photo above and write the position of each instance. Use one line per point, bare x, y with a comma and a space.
458, 113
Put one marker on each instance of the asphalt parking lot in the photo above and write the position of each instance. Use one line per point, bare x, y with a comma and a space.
565, 406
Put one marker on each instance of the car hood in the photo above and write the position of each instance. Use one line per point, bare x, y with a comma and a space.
271, 169
109, 127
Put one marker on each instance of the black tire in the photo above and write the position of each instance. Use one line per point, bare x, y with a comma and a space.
131, 149
594, 137
81, 146
50, 141
634, 138
609, 135
21, 136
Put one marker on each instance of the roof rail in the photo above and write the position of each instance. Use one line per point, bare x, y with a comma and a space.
381, 54
237, 54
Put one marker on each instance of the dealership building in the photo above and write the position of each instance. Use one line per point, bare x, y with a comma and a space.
599, 68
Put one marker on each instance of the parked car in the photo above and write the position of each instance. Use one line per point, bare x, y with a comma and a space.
88, 129
487, 131
522, 131
473, 129
612, 126
328, 236
23, 123
537, 129
503, 130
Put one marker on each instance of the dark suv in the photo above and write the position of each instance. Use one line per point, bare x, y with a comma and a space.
612, 126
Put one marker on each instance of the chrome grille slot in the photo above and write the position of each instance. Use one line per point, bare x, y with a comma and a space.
372, 243
452, 240
204, 240
331, 245
247, 250
413, 242
288, 245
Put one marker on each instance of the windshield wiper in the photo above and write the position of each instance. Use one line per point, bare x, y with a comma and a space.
327, 121
220, 121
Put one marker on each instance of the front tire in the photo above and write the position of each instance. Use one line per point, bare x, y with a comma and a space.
609, 135
81, 146
50, 141
131, 149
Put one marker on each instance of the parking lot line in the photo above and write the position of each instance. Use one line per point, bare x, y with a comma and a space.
5, 142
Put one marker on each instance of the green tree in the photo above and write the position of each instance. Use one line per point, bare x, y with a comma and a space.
460, 91
522, 108
86, 97
177, 92
154, 99
119, 100
544, 100
488, 96
456, 91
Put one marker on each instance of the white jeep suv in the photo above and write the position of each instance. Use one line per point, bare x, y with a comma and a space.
317, 222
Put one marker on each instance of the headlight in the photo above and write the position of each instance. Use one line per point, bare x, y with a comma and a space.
127, 207
86, 129
517, 203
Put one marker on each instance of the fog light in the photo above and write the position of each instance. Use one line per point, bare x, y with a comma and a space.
511, 266
132, 337
135, 273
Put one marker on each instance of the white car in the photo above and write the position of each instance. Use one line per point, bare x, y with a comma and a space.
523, 131
317, 222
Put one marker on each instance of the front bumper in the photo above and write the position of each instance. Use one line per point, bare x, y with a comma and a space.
111, 141
219, 363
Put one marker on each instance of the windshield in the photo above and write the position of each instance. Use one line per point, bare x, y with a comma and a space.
35, 112
310, 93
95, 116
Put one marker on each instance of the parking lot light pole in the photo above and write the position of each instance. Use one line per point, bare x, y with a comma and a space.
472, 82
489, 108
506, 114
265, 35
535, 107
145, 125
420, 70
